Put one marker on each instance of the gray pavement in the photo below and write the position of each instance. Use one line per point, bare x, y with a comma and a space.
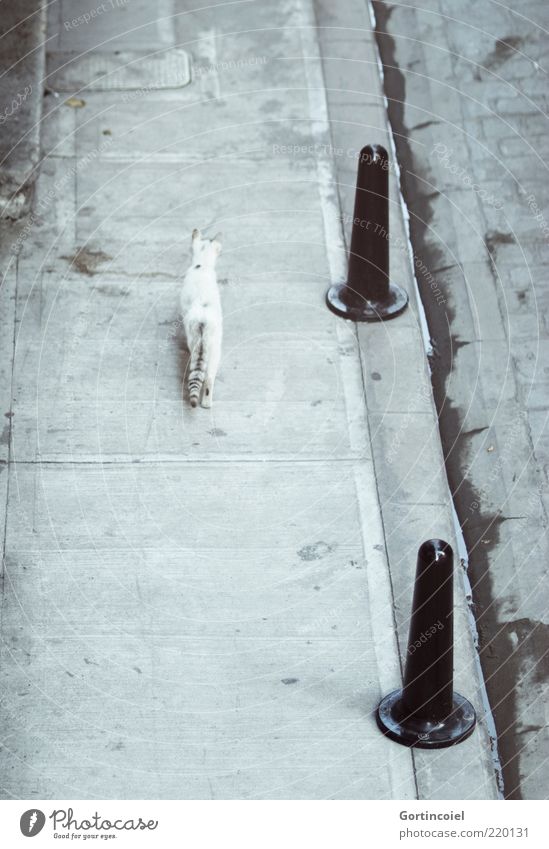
202, 604
468, 97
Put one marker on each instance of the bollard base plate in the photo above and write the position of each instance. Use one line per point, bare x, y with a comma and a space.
363, 309
394, 722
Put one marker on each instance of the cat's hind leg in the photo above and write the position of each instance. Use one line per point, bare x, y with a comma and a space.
211, 372
207, 392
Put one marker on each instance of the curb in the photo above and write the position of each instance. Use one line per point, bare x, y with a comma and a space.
480, 233
23, 48
413, 492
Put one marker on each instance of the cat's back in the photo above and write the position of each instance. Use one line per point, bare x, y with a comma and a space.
199, 286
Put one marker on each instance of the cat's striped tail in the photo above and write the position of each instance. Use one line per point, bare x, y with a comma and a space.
197, 371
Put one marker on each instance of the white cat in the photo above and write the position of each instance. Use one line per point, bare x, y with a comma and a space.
202, 318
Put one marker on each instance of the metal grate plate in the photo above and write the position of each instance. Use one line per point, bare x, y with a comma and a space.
122, 71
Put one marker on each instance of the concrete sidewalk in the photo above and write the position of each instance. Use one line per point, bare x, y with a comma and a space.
202, 604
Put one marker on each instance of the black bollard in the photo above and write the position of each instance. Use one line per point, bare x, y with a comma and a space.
427, 713
368, 294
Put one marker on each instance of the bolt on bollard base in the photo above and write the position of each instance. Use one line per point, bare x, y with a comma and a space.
395, 721
362, 309
427, 713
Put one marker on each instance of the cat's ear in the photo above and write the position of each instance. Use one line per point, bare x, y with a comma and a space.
216, 242
196, 234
